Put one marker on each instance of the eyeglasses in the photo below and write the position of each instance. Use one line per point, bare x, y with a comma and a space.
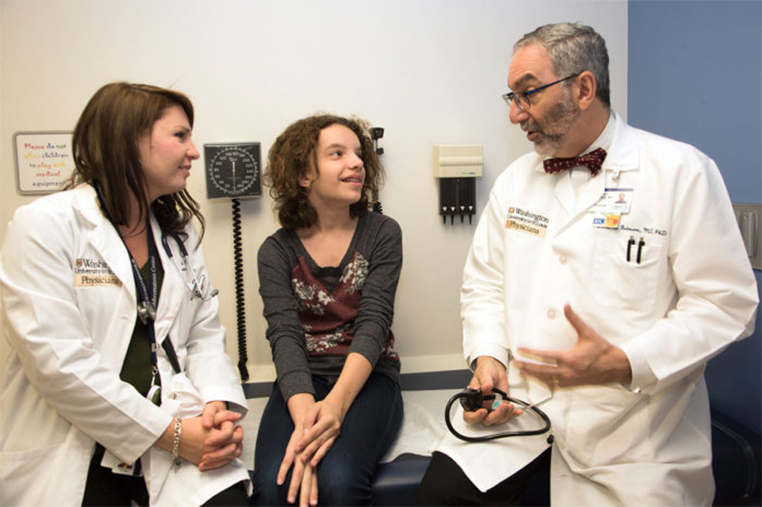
522, 98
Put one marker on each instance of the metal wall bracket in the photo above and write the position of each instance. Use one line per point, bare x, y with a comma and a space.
749, 217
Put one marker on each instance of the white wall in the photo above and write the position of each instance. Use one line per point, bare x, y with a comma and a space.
428, 71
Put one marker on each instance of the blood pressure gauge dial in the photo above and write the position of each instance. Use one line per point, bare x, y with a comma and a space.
232, 170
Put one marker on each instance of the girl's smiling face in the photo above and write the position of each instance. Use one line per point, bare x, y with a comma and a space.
340, 174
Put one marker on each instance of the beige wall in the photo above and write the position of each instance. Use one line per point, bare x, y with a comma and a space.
428, 71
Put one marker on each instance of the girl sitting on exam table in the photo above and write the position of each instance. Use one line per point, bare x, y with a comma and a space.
328, 280
116, 387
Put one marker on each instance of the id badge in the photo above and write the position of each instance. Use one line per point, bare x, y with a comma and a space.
605, 221
614, 201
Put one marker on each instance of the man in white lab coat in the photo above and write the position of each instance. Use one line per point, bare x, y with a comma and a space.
601, 309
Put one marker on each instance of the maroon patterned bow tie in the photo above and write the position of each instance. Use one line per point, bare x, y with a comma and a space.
592, 161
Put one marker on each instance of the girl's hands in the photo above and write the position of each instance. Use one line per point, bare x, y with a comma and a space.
317, 426
303, 477
322, 426
309, 490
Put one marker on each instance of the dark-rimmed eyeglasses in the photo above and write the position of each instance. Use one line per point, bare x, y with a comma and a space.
522, 98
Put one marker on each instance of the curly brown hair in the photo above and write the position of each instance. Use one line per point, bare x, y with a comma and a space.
294, 153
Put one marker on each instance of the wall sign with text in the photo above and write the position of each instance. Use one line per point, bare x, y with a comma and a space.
43, 161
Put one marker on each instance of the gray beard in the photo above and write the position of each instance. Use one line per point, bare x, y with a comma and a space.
559, 122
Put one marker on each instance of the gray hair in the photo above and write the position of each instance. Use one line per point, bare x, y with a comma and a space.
574, 48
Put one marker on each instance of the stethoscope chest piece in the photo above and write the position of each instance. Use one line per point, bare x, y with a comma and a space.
196, 287
146, 311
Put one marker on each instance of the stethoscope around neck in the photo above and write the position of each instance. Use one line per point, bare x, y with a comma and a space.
194, 285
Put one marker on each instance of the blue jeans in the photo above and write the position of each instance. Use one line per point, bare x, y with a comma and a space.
345, 474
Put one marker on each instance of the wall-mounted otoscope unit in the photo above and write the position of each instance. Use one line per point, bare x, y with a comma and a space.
457, 166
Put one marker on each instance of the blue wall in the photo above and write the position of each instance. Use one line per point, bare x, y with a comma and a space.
695, 74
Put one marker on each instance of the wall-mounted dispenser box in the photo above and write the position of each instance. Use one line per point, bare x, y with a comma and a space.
457, 166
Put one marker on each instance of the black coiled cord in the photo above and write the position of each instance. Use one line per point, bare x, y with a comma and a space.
377, 133
240, 300
472, 399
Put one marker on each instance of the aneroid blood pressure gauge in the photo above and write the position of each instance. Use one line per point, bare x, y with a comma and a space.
233, 170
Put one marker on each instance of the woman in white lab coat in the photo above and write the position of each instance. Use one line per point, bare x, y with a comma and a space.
115, 383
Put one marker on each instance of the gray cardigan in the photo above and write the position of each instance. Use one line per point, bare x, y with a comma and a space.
282, 259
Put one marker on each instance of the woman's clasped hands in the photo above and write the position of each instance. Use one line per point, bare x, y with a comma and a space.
211, 440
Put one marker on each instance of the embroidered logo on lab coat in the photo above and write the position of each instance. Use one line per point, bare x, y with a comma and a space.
525, 221
94, 273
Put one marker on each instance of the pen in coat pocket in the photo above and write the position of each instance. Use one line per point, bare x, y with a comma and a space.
641, 244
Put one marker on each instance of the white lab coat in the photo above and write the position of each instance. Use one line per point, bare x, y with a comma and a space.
69, 299
692, 294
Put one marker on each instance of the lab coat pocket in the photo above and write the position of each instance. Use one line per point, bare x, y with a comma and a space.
625, 269
18, 469
608, 425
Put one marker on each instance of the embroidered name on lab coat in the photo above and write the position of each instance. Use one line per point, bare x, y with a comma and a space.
94, 273
527, 222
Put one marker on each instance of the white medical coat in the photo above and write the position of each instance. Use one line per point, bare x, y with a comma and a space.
69, 299
692, 294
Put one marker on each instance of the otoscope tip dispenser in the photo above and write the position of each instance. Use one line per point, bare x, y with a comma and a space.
457, 166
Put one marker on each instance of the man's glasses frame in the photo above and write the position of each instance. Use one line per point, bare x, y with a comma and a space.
522, 98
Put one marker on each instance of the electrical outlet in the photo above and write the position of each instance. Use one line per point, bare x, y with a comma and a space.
749, 217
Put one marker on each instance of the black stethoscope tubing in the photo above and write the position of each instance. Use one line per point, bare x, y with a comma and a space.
472, 394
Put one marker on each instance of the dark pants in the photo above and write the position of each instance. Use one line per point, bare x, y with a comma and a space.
105, 488
345, 474
445, 484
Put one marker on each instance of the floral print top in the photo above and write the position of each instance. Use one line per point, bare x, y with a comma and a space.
328, 316
317, 315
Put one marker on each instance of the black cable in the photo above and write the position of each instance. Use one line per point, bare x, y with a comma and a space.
377, 133
240, 302
472, 399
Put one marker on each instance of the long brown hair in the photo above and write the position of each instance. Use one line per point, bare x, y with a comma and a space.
294, 153
105, 151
